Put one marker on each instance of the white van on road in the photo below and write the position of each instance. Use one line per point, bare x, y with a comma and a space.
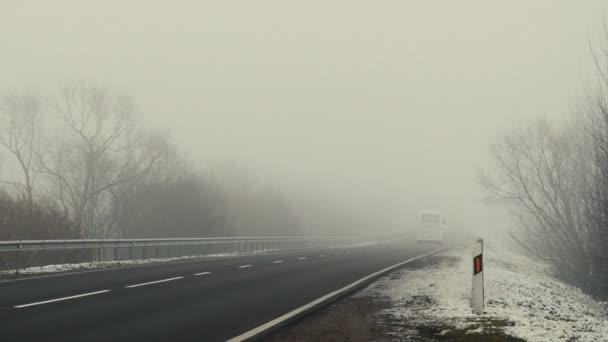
431, 226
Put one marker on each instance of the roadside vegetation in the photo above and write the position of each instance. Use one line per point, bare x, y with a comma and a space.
555, 175
81, 163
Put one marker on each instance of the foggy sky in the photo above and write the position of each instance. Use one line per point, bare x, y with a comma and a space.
391, 102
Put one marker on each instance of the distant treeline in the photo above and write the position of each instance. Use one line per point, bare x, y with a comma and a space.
85, 167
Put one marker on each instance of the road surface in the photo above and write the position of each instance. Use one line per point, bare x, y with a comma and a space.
209, 300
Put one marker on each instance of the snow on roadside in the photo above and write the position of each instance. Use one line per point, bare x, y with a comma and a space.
360, 244
83, 266
522, 300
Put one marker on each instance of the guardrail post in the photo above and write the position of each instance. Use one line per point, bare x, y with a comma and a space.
17, 259
131, 251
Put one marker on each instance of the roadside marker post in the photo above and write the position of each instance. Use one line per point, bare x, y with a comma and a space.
477, 290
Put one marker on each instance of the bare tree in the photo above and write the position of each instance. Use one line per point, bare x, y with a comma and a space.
541, 169
101, 150
558, 176
596, 110
123, 196
20, 130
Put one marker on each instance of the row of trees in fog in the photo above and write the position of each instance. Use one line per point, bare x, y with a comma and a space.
83, 165
78, 154
556, 176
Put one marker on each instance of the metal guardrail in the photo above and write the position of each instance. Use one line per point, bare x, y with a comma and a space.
32, 245
38, 251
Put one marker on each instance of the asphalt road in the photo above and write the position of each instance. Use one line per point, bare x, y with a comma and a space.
210, 300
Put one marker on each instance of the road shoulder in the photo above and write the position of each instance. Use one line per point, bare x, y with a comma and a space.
428, 300
365, 316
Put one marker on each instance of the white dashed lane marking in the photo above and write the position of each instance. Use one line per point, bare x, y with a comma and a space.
60, 299
153, 282
142, 284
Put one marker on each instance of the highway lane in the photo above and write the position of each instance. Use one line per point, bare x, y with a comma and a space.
210, 300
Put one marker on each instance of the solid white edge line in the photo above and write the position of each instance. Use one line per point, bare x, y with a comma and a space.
302, 258
201, 273
153, 282
60, 299
245, 266
266, 326
277, 261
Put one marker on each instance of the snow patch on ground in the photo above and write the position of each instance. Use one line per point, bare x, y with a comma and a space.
522, 300
360, 244
59, 268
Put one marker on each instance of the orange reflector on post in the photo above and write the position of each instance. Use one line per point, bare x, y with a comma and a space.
477, 264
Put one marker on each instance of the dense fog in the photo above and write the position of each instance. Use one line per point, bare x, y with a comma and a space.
353, 113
